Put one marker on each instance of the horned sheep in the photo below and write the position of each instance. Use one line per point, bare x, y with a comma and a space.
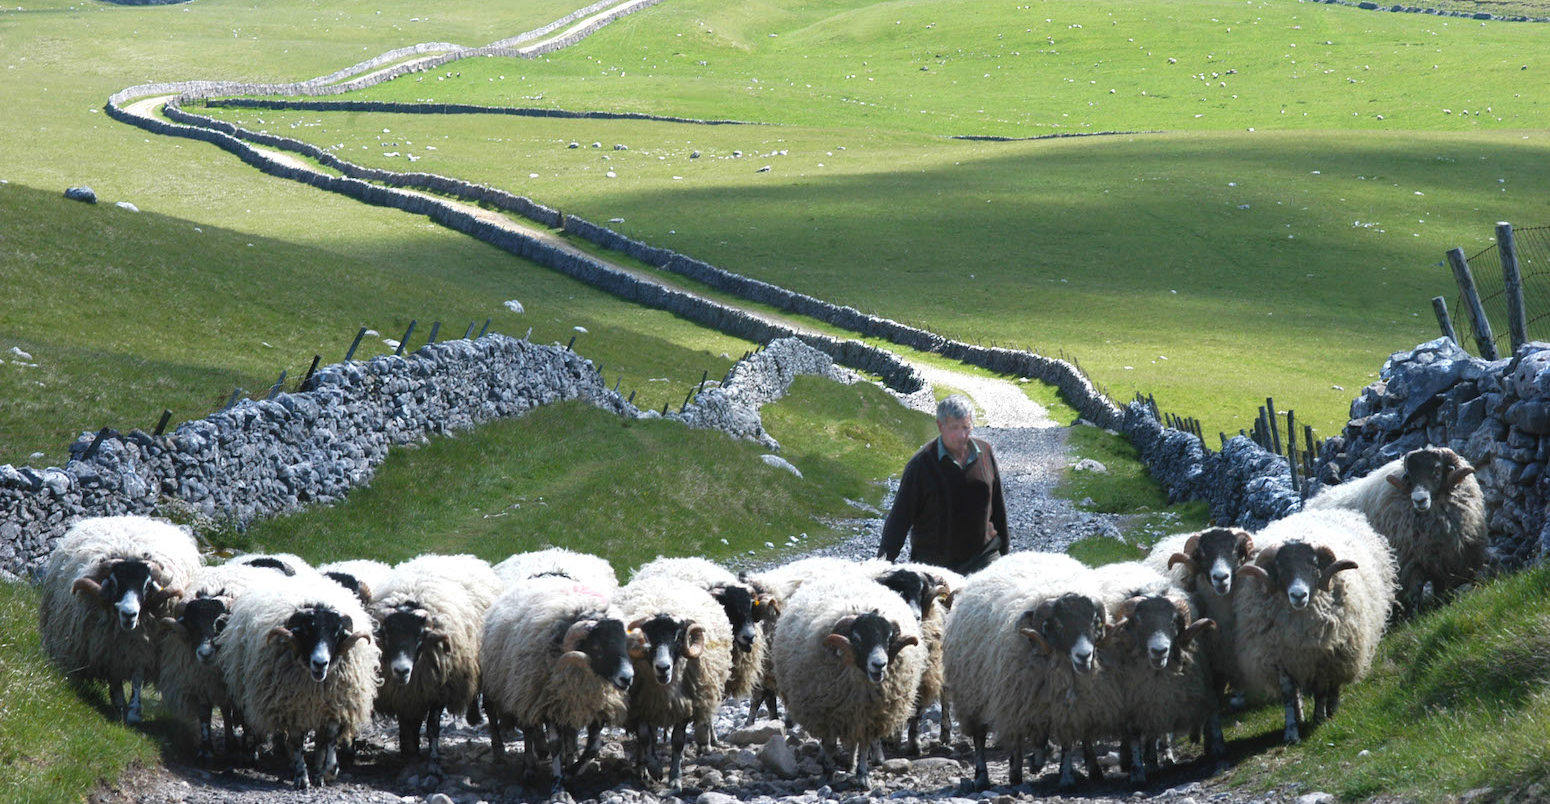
554, 656
929, 590
584, 568
1429, 507
850, 658
359, 575
107, 579
298, 657
429, 614
1020, 655
1326, 584
1205, 564
681, 645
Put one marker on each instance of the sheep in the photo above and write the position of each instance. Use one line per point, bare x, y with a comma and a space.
745, 604
584, 568
681, 644
1204, 563
1326, 585
298, 657
429, 613
928, 590
1429, 507
850, 658
189, 678
554, 656
1154, 659
779, 583
359, 575
105, 578
1020, 656
288, 564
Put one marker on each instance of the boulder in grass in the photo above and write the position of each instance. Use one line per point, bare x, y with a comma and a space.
86, 194
125, 205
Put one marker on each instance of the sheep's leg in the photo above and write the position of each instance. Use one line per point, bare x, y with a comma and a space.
675, 767
646, 763
877, 752
704, 735
863, 775
946, 732
594, 744
298, 754
981, 771
825, 758
1090, 758
1216, 744
497, 745
1133, 745
912, 739
1331, 701
229, 727
1039, 755
1067, 766
408, 736
433, 742
1293, 703
473, 715
557, 762
206, 743
1150, 752
136, 681
116, 697
1014, 762
328, 742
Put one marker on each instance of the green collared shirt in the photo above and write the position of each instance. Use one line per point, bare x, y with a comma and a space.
974, 453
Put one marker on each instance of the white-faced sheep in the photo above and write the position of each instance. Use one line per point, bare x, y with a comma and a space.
1154, 659
189, 678
1020, 655
584, 568
681, 644
1205, 564
1326, 583
1430, 508
359, 575
429, 615
298, 657
554, 657
928, 590
746, 605
849, 656
108, 578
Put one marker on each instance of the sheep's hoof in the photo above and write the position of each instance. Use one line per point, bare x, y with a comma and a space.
1137, 775
132, 716
301, 781
1291, 736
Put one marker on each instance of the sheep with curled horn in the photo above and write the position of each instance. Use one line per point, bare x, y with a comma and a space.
1021, 660
928, 590
190, 678
297, 655
106, 580
1325, 586
359, 575
554, 660
778, 584
1205, 564
1430, 508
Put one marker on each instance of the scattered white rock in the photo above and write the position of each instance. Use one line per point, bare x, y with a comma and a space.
125, 205
579, 328
778, 757
1090, 465
765, 169
391, 342
757, 734
514, 306
780, 463
16, 350
1316, 798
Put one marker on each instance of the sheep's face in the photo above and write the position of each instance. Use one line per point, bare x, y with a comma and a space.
1298, 570
318, 638
1430, 472
352, 584
127, 589
604, 648
868, 641
201, 621
660, 642
738, 603
408, 634
917, 588
268, 562
1071, 624
1219, 553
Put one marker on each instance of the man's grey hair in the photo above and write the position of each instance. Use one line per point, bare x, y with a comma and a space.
956, 406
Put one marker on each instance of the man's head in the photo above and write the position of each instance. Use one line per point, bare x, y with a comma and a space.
955, 420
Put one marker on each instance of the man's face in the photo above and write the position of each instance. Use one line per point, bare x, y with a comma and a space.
955, 433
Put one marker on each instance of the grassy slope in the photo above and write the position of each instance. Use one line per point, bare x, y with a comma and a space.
1275, 263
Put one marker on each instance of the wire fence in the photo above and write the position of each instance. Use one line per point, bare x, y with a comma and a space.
1533, 247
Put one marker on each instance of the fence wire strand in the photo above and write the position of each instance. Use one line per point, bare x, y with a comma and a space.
1534, 268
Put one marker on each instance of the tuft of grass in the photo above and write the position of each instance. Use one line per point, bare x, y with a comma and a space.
58, 740
1458, 700
1124, 489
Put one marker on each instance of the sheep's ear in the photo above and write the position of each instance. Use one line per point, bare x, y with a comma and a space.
900, 643
1180, 558
1329, 573
574, 658
694, 640
1190, 546
1195, 629
578, 631
950, 598
349, 641
1399, 482
1245, 546
438, 640
1025, 626
1256, 571
363, 592
1457, 476
840, 644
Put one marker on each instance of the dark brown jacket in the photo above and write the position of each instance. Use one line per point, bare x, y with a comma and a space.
947, 511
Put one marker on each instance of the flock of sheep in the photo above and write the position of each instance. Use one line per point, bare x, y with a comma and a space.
1037, 649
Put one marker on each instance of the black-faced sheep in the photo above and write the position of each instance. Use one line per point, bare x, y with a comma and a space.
1020, 655
429, 615
1205, 564
189, 678
681, 645
1154, 659
554, 657
298, 657
287, 564
359, 575
849, 656
746, 605
584, 568
1326, 583
778, 584
107, 580
928, 590
1430, 508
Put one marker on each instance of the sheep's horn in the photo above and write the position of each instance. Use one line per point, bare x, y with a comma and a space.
843, 626
694, 640
635, 643
1457, 476
1329, 574
1032, 634
841, 645
950, 598
636, 623
1246, 545
1256, 571
175, 627
1182, 606
1398, 482
1037, 639
900, 644
163, 594
578, 631
350, 640
1126, 609
575, 658
280, 632
1180, 558
362, 591
1190, 545
1267, 556
88, 585
1195, 629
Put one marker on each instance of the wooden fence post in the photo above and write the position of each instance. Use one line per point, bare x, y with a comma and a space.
1466, 282
161, 426
1275, 427
1440, 307
405, 340
1291, 448
353, 345
1517, 318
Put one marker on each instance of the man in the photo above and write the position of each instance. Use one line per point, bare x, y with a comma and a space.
949, 499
